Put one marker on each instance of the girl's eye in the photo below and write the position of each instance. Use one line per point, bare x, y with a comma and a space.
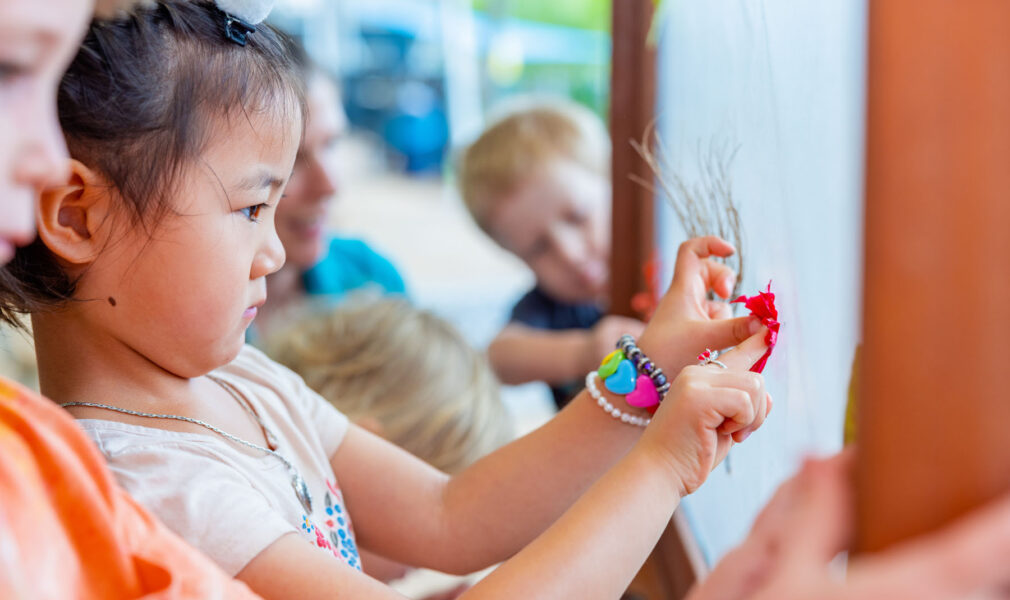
253, 212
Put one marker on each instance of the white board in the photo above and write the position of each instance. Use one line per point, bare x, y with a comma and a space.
784, 81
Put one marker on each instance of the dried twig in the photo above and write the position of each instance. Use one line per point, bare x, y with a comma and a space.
704, 207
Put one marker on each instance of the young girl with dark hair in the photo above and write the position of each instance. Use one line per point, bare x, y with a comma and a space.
183, 123
68, 531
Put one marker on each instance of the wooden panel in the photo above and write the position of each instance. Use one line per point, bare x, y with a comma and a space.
934, 407
676, 563
632, 108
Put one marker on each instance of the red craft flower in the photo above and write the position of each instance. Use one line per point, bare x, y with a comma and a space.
762, 306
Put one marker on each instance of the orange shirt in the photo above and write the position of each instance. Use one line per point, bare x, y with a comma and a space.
68, 531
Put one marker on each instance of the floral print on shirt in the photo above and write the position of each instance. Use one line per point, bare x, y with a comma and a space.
336, 533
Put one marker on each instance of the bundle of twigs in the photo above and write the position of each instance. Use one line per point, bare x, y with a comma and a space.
703, 207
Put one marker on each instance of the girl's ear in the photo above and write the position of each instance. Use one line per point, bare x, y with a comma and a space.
71, 216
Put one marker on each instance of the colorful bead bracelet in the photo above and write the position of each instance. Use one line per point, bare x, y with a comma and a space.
643, 364
627, 371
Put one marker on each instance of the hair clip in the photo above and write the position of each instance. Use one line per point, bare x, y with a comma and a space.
242, 16
237, 30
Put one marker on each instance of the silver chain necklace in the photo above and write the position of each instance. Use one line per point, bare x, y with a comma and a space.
297, 482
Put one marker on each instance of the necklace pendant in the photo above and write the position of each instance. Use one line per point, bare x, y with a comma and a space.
302, 492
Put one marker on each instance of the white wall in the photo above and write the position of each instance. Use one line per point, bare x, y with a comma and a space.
784, 80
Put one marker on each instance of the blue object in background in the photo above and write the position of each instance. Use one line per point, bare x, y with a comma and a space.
392, 99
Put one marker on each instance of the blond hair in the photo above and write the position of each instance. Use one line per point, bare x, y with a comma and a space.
382, 361
530, 133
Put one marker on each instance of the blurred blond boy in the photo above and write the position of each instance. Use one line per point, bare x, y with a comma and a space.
537, 180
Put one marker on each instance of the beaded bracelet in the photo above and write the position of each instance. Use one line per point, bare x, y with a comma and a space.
643, 364
628, 372
609, 408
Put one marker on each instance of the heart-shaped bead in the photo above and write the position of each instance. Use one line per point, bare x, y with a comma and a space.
644, 395
609, 364
623, 380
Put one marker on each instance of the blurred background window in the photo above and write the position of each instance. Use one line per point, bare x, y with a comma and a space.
421, 74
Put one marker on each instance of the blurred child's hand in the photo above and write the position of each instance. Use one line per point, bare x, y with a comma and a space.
601, 339
686, 322
706, 410
810, 519
746, 570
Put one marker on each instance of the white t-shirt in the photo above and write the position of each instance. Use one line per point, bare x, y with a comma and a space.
224, 500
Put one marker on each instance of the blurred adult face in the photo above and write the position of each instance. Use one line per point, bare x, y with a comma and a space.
302, 215
37, 41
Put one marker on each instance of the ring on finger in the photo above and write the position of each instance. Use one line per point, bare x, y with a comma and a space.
708, 357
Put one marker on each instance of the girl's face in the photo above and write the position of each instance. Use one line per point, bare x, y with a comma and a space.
558, 222
183, 291
302, 217
37, 41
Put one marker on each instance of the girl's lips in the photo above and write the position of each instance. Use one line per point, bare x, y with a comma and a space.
250, 313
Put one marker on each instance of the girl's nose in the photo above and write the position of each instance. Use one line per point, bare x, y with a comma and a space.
270, 257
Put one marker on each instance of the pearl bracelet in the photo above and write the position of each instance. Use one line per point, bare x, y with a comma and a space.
609, 408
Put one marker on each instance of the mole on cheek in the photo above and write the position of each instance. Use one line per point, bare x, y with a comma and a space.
112, 301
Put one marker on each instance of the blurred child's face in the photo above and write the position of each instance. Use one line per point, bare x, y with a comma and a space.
183, 294
301, 218
558, 222
37, 41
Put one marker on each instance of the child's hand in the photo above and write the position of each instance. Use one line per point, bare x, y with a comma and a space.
686, 322
746, 570
601, 339
811, 519
706, 410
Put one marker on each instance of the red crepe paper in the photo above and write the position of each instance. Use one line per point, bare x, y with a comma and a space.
762, 306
